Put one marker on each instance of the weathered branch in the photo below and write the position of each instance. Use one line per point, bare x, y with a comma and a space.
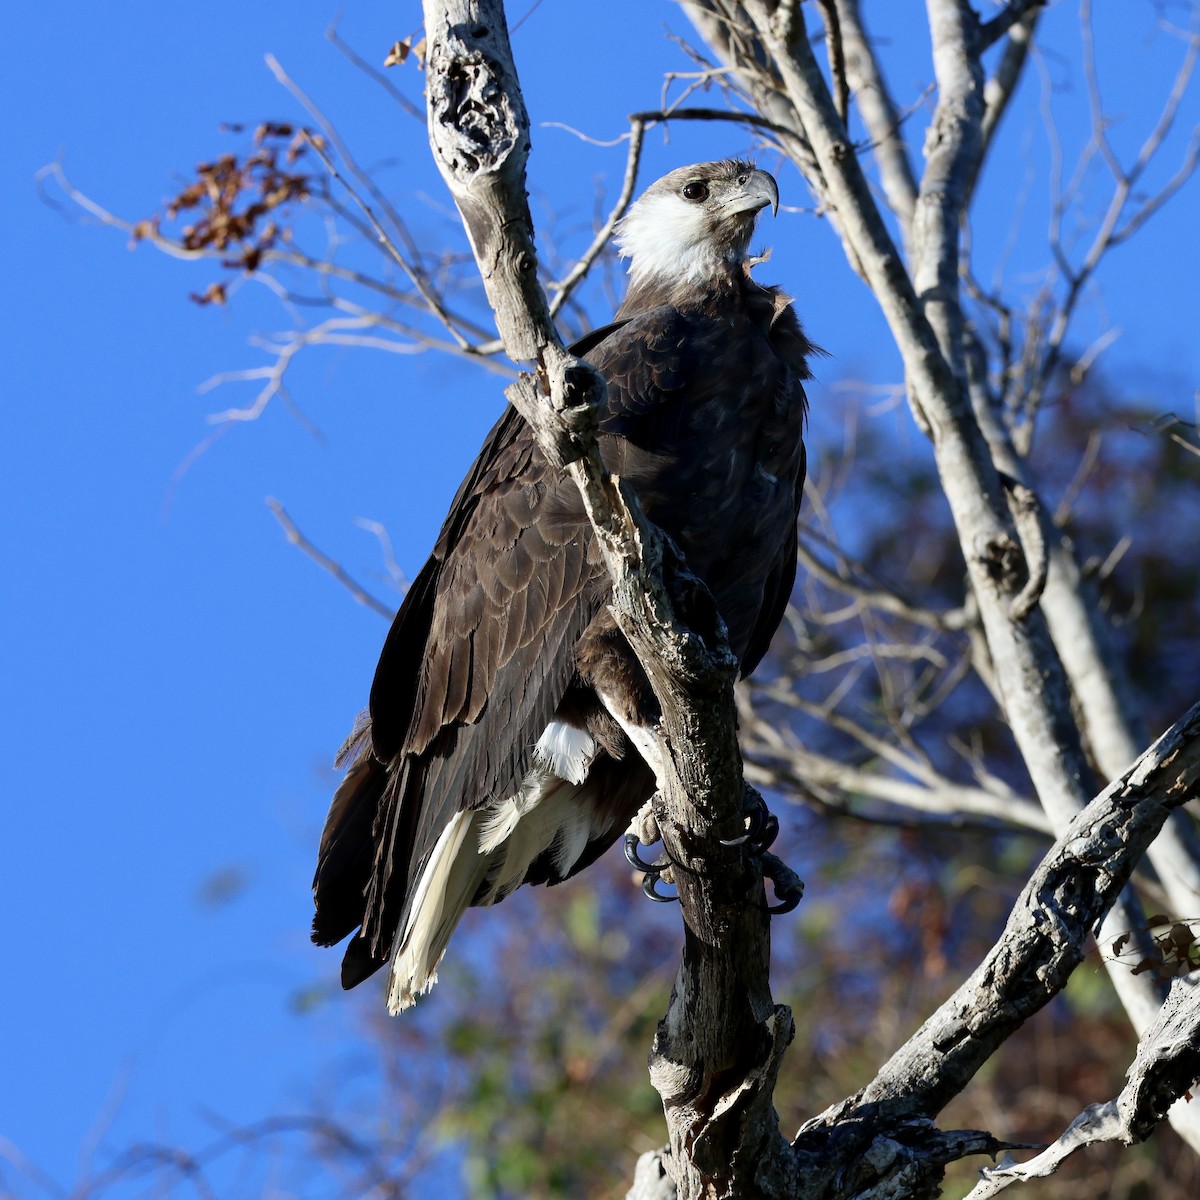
881, 1142
1031, 678
1166, 1067
1045, 938
880, 115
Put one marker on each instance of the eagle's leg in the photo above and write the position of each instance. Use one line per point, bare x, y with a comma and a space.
789, 887
643, 831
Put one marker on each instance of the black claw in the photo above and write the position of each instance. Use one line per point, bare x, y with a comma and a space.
762, 830
650, 871
789, 887
650, 890
770, 831
757, 820
636, 861
786, 905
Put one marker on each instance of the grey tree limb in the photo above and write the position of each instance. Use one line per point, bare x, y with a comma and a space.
879, 113
1047, 933
1166, 1066
882, 1141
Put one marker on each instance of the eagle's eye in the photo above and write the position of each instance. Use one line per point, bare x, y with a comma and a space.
696, 190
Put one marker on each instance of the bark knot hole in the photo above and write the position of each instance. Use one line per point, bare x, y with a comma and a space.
476, 106
1003, 561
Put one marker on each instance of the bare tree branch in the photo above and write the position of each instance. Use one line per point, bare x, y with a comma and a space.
1017, 10
293, 534
415, 277
1046, 936
562, 290
837, 58
1167, 1066
880, 115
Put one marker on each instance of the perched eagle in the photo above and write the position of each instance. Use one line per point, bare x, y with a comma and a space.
499, 746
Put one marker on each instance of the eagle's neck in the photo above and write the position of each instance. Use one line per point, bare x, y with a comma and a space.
665, 253
676, 249
722, 283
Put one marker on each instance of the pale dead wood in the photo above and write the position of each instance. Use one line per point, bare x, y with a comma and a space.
879, 113
1167, 1065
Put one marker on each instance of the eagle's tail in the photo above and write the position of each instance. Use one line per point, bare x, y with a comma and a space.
481, 857
447, 885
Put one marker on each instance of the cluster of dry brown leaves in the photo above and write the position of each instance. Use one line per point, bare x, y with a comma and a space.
237, 199
1176, 949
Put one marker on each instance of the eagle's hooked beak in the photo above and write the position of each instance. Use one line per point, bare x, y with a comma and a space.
758, 190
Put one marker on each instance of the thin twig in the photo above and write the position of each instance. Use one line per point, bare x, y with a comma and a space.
837, 59
293, 534
431, 299
564, 289
374, 73
712, 114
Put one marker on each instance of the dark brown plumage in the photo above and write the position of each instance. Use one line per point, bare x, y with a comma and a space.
494, 752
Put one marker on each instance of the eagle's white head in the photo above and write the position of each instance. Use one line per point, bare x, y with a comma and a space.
694, 221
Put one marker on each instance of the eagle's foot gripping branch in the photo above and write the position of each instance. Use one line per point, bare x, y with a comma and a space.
651, 871
643, 831
762, 827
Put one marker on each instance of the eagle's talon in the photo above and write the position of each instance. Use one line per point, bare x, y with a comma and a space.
768, 834
650, 890
789, 887
762, 827
636, 861
755, 820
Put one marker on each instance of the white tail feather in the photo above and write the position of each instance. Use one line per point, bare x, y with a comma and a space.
449, 882
488, 853
532, 834
566, 750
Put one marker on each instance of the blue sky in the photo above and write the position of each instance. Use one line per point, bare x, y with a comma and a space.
176, 676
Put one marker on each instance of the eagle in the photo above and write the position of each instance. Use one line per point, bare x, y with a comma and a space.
501, 742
